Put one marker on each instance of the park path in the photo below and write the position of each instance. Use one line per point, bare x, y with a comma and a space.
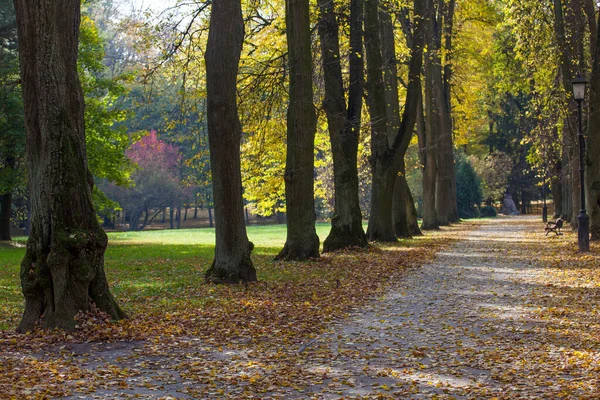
480, 321
459, 327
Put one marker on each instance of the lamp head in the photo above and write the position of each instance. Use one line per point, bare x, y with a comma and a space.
579, 87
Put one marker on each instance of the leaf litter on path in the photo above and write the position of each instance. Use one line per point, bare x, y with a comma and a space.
500, 312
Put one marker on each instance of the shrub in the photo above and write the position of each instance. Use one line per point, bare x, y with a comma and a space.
468, 189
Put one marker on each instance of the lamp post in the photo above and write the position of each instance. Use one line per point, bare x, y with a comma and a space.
583, 221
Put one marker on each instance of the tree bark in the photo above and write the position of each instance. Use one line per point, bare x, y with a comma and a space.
62, 272
232, 262
5, 207
592, 171
344, 124
302, 240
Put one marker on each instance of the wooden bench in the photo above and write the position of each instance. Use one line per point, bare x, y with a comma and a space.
555, 226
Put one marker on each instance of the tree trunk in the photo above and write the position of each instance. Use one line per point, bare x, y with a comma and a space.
344, 125
232, 262
178, 217
381, 225
432, 122
62, 272
411, 215
5, 207
592, 170
210, 217
390, 75
446, 203
556, 188
388, 150
164, 215
569, 26
302, 240
172, 217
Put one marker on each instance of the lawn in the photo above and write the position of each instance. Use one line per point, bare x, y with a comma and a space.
151, 265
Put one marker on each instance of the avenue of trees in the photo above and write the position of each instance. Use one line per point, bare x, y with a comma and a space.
349, 110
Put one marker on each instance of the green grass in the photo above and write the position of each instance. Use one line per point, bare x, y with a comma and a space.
151, 265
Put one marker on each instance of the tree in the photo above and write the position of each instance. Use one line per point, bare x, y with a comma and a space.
343, 123
62, 272
388, 152
593, 144
429, 138
302, 241
232, 262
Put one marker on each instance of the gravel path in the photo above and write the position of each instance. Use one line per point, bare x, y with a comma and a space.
428, 337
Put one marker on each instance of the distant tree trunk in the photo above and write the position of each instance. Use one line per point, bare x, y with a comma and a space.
593, 144
195, 208
164, 215
247, 215
556, 188
172, 217
5, 207
186, 212
302, 241
62, 272
210, 217
178, 217
344, 124
232, 262
447, 208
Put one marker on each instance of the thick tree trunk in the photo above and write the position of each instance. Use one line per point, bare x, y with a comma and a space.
5, 206
569, 26
62, 272
344, 125
432, 122
232, 262
401, 191
387, 151
302, 240
593, 144
381, 225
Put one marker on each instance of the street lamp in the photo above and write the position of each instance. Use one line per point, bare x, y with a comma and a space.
583, 221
